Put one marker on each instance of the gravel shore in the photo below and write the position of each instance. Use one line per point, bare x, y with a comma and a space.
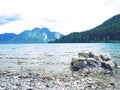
82, 80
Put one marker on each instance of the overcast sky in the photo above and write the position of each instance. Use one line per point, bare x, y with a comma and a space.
63, 16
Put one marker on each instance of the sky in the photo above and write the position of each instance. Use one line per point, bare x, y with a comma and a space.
63, 16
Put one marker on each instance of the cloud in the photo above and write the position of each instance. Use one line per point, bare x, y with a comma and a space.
63, 16
7, 19
51, 20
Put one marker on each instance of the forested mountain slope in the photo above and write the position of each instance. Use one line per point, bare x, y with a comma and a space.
109, 31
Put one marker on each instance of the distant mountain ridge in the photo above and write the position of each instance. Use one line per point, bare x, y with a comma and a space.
6, 37
35, 35
109, 31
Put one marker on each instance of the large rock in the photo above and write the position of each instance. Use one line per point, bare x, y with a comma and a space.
78, 63
83, 54
111, 65
105, 57
92, 60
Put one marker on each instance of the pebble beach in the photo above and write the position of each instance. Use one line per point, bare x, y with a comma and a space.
27, 80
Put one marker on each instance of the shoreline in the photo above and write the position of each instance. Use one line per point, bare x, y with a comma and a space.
30, 80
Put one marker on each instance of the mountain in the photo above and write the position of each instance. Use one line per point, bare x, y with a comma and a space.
6, 37
35, 35
108, 31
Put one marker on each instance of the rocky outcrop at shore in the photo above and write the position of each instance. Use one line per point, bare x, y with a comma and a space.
90, 60
93, 72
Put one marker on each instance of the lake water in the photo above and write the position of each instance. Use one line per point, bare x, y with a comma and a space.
49, 57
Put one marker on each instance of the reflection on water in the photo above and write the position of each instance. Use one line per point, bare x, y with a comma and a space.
49, 57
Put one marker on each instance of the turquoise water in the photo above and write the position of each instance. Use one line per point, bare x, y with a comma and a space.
50, 57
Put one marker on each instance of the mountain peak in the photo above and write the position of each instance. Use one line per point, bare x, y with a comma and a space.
45, 29
36, 29
36, 35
